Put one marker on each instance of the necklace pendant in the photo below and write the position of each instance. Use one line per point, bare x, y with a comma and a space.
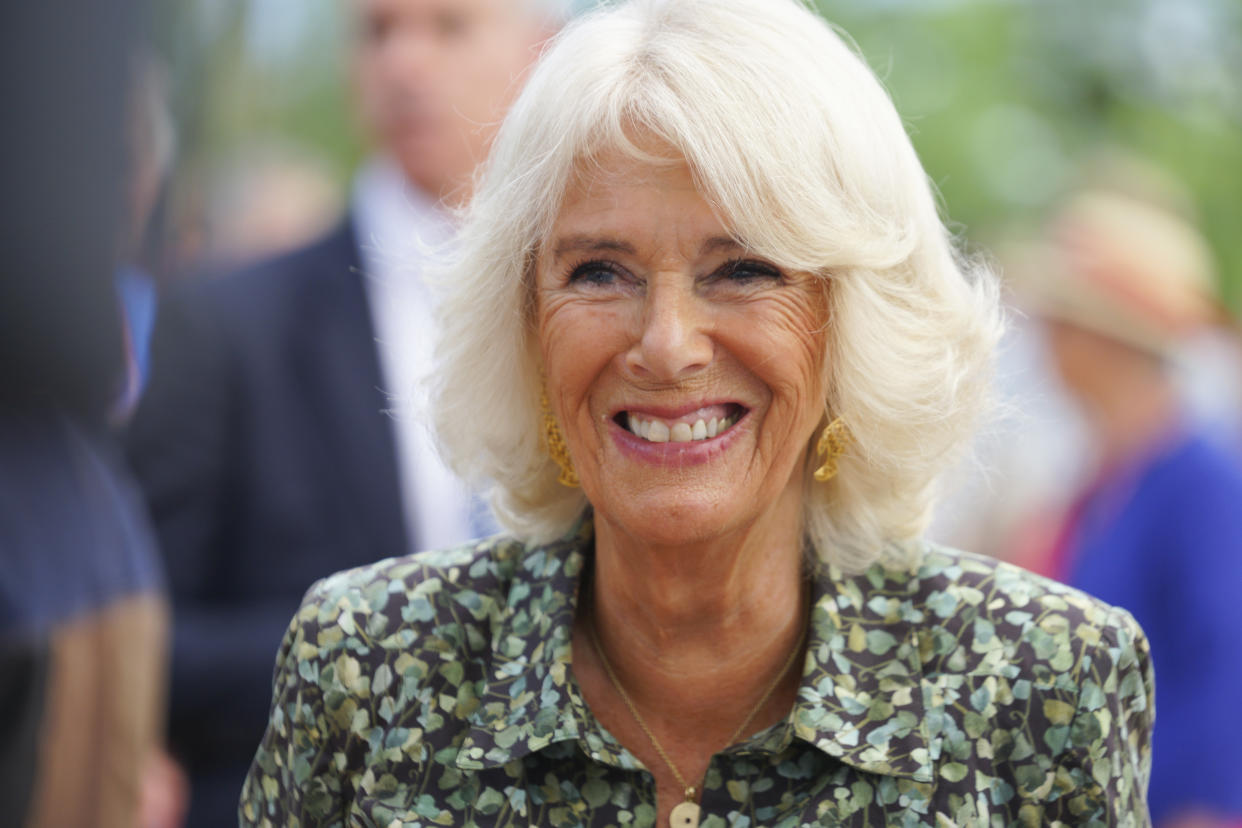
684, 815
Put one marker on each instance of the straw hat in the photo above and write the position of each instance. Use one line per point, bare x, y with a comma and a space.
1121, 267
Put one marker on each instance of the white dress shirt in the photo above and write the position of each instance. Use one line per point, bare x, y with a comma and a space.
399, 229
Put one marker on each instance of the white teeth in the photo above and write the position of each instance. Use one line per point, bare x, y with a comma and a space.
657, 432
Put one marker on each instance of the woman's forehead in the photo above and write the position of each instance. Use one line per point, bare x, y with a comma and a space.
616, 171
626, 202
636, 157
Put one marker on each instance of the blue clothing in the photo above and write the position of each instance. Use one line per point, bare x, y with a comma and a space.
140, 300
73, 532
1164, 541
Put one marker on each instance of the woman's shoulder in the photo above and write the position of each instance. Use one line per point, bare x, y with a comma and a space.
1006, 681
381, 665
983, 616
1060, 682
478, 565
966, 586
436, 598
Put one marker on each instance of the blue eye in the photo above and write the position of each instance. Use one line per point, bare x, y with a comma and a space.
746, 270
596, 273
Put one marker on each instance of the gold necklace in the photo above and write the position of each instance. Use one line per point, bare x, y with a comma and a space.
686, 814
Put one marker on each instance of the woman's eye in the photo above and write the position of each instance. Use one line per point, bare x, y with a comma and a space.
747, 270
596, 273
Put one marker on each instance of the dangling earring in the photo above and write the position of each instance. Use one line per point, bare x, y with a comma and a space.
833, 441
557, 448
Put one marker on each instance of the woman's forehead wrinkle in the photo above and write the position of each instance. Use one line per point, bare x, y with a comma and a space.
581, 243
600, 215
720, 244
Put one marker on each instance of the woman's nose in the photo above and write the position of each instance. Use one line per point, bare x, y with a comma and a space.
675, 338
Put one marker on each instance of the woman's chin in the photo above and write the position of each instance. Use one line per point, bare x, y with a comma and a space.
679, 505
669, 519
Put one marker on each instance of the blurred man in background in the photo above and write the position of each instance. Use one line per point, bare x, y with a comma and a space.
1120, 283
263, 447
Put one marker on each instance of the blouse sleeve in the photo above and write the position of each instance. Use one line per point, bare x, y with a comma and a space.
1102, 774
292, 780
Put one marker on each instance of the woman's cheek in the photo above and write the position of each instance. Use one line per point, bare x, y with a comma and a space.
585, 329
556, 325
578, 340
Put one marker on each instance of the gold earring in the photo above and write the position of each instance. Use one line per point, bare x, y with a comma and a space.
833, 441
558, 449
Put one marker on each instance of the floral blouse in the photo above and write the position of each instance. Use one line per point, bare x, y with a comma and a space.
437, 689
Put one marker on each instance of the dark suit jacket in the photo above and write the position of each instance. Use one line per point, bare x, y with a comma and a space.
267, 462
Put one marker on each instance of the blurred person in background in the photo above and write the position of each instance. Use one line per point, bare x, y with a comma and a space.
1120, 282
83, 620
263, 447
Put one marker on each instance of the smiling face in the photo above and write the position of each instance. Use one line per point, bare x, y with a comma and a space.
686, 372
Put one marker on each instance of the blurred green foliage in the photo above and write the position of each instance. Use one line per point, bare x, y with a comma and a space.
1003, 98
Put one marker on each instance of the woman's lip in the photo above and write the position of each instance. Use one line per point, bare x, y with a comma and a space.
676, 454
676, 412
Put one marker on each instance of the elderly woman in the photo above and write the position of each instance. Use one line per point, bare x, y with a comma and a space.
710, 342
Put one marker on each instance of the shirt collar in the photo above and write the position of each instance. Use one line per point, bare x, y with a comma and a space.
530, 700
860, 701
861, 698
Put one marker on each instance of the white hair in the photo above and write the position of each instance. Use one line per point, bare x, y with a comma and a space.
795, 143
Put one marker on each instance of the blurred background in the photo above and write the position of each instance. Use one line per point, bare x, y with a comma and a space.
1007, 101
1002, 98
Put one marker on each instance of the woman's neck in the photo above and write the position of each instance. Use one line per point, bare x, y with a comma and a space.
709, 618
701, 637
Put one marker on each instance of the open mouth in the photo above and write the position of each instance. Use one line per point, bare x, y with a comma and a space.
703, 424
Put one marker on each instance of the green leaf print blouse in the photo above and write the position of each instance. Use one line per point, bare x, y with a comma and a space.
437, 689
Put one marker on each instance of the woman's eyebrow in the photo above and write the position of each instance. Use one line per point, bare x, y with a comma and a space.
719, 244
590, 244
598, 244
